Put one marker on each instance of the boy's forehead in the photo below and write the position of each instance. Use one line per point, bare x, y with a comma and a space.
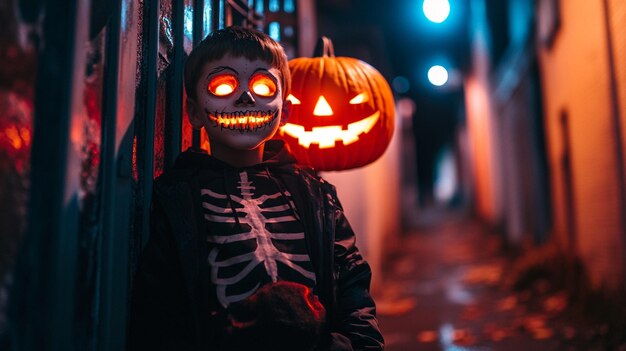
240, 64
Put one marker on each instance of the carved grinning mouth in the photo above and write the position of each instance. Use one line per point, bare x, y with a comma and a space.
326, 136
242, 121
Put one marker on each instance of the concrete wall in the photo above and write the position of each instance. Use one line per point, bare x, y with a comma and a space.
617, 23
584, 122
578, 107
481, 128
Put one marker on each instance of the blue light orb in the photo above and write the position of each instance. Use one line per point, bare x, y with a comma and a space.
438, 75
436, 10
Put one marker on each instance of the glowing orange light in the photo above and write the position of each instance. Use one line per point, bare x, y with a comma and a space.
322, 108
294, 100
223, 85
261, 89
326, 136
242, 119
263, 85
343, 113
223, 90
360, 99
14, 137
25, 133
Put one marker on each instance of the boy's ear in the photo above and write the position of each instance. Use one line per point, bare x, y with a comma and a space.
195, 114
284, 117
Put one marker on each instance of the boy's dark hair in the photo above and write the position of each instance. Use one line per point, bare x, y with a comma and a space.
236, 41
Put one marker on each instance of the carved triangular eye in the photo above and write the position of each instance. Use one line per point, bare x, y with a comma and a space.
293, 99
360, 99
322, 108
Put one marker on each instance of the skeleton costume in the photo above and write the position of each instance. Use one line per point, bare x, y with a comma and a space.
256, 236
219, 233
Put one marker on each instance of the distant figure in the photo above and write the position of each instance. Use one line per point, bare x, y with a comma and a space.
248, 250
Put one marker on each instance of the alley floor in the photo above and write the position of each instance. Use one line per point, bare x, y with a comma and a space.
443, 290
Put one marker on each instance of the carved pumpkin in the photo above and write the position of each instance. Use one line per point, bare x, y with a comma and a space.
342, 114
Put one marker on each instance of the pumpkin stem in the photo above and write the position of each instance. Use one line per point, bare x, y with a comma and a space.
324, 48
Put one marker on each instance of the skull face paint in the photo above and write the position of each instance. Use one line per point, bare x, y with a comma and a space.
239, 102
242, 121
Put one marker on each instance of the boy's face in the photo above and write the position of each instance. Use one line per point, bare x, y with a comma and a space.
239, 102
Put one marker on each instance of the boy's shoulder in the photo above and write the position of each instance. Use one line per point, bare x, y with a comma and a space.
194, 164
314, 180
184, 170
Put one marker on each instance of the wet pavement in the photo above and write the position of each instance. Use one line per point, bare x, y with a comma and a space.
443, 290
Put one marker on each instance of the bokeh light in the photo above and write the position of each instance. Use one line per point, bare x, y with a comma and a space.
400, 84
437, 75
436, 10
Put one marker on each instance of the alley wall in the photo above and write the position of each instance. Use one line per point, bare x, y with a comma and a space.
583, 146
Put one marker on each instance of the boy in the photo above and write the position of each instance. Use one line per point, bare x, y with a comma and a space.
246, 217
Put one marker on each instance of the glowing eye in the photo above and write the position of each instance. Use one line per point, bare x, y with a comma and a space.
263, 85
360, 99
222, 85
293, 100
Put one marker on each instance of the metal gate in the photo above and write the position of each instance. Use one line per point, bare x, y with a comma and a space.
91, 111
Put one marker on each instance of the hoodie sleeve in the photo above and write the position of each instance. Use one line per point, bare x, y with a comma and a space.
357, 323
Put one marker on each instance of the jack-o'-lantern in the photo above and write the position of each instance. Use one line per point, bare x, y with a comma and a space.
342, 114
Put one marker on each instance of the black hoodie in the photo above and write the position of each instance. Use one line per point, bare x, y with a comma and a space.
170, 304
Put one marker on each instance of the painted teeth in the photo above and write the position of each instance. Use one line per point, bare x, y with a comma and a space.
242, 121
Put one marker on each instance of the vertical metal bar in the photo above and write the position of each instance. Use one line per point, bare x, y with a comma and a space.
218, 14
209, 9
198, 35
108, 177
215, 16
46, 272
117, 211
146, 118
198, 21
617, 126
228, 14
173, 104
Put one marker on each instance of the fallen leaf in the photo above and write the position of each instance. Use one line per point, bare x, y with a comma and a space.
524, 295
426, 336
555, 303
471, 313
395, 307
568, 332
507, 303
489, 327
458, 253
499, 334
542, 333
484, 274
463, 337
495, 332
520, 310
394, 290
532, 323
542, 286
